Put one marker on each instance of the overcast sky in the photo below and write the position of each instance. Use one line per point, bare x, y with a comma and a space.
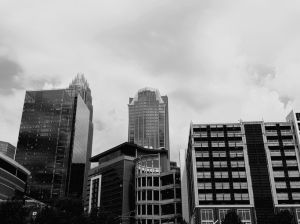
218, 61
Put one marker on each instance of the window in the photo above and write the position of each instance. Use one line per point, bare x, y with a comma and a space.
156, 195
221, 174
220, 164
244, 215
223, 197
205, 197
240, 174
282, 196
296, 196
279, 174
294, 173
224, 185
237, 164
276, 163
241, 197
222, 214
291, 163
207, 216
219, 154
203, 175
295, 184
203, 164
280, 185
204, 186
202, 154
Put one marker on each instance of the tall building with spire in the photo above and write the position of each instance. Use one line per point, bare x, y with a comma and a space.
149, 119
55, 140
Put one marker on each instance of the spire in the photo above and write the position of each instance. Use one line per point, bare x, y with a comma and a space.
79, 81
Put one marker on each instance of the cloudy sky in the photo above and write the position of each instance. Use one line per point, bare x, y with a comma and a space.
218, 61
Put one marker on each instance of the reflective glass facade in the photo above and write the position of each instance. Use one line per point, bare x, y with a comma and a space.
53, 142
149, 119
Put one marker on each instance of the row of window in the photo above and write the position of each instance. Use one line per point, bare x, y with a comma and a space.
282, 185
219, 143
218, 164
223, 185
291, 173
286, 152
153, 195
207, 216
219, 154
156, 209
235, 174
222, 196
278, 163
284, 196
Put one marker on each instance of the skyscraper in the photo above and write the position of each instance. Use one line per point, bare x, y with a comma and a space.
55, 140
149, 119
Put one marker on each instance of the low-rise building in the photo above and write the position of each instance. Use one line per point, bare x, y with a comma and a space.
13, 178
117, 188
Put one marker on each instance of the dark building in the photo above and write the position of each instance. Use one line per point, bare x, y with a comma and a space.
149, 119
250, 167
13, 178
7, 149
55, 141
111, 184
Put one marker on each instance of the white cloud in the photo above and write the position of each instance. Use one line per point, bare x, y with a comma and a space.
216, 61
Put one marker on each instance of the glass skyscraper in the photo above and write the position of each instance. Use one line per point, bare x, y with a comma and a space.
55, 140
149, 119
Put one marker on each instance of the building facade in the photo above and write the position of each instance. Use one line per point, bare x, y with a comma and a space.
149, 119
7, 149
113, 184
158, 192
53, 142
250, 167
13, 178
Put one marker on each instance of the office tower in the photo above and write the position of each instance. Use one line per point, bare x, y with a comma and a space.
54, 140
7, 149
251, 167
149, 119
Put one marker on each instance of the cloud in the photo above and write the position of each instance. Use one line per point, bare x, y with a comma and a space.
99, 125
10, 73
216, 61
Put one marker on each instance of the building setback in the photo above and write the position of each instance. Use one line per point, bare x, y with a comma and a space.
250, 167
149, 119
54, 141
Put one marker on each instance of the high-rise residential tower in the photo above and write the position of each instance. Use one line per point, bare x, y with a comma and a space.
250, 167
149, 119
55, 140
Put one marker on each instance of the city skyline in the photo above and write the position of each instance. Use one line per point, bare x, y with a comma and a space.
215, 61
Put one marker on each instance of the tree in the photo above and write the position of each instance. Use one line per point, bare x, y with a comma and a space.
13, 212
283, 217
232, 218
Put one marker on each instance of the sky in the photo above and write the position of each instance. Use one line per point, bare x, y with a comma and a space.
217, 61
